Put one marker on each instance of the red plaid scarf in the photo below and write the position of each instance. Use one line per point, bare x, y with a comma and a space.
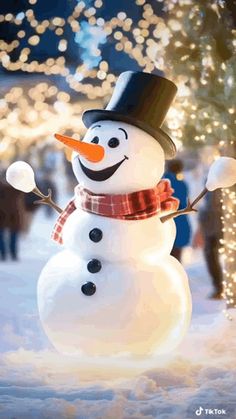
133, 206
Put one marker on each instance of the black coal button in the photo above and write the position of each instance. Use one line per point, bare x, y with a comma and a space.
95, 235
88, 289
94, 266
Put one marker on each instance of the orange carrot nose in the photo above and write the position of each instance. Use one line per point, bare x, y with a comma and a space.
92, 152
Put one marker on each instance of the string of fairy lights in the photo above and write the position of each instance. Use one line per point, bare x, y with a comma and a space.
37, 110
181, 45
117, 28
144, 42
40, 107
228, 249
200, 54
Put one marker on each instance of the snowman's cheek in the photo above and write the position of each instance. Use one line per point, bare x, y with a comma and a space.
80, 176
74, 155
75, 163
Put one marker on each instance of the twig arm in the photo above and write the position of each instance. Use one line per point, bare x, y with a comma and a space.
46, 199
199, 197
186, 210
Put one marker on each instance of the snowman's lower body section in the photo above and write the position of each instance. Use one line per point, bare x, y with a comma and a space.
137, 310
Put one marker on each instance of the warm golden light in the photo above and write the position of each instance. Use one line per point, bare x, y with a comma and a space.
178, 45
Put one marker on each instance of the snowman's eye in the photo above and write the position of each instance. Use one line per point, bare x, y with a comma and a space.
113, 142
95, 140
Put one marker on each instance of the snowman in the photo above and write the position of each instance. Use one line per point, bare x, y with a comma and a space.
114, 290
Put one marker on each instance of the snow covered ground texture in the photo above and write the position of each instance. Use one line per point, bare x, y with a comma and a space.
38, 383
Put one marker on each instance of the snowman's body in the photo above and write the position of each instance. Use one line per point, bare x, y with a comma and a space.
142, 303
121, 241
115, 294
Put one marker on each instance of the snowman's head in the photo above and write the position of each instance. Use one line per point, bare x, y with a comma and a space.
116, 157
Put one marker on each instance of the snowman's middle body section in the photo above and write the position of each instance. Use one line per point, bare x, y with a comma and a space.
142, 303
121, 240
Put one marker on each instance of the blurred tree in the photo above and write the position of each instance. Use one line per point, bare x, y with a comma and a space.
28, 15
200, 58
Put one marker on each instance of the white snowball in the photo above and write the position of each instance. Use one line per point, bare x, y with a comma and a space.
20, 175
222, 174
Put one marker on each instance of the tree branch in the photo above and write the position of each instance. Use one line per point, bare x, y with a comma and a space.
186, 210
46, 199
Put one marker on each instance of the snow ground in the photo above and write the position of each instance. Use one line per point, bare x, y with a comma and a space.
38, 383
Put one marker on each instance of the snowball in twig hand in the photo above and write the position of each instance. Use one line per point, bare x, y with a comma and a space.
222, 174
20, 175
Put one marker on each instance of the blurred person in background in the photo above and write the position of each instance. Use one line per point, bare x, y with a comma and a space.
30, 209
50, 158
210, 228
11, 219
174, 172
45, 182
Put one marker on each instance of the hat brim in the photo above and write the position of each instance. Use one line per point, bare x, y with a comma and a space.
94, 115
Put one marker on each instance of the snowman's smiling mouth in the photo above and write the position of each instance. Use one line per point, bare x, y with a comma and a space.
101, 175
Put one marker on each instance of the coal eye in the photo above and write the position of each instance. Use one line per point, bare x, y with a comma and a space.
95, 140
113, 142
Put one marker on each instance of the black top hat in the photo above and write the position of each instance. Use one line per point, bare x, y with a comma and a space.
140, 99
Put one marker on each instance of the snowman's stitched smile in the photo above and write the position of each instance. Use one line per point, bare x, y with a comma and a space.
101, 175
